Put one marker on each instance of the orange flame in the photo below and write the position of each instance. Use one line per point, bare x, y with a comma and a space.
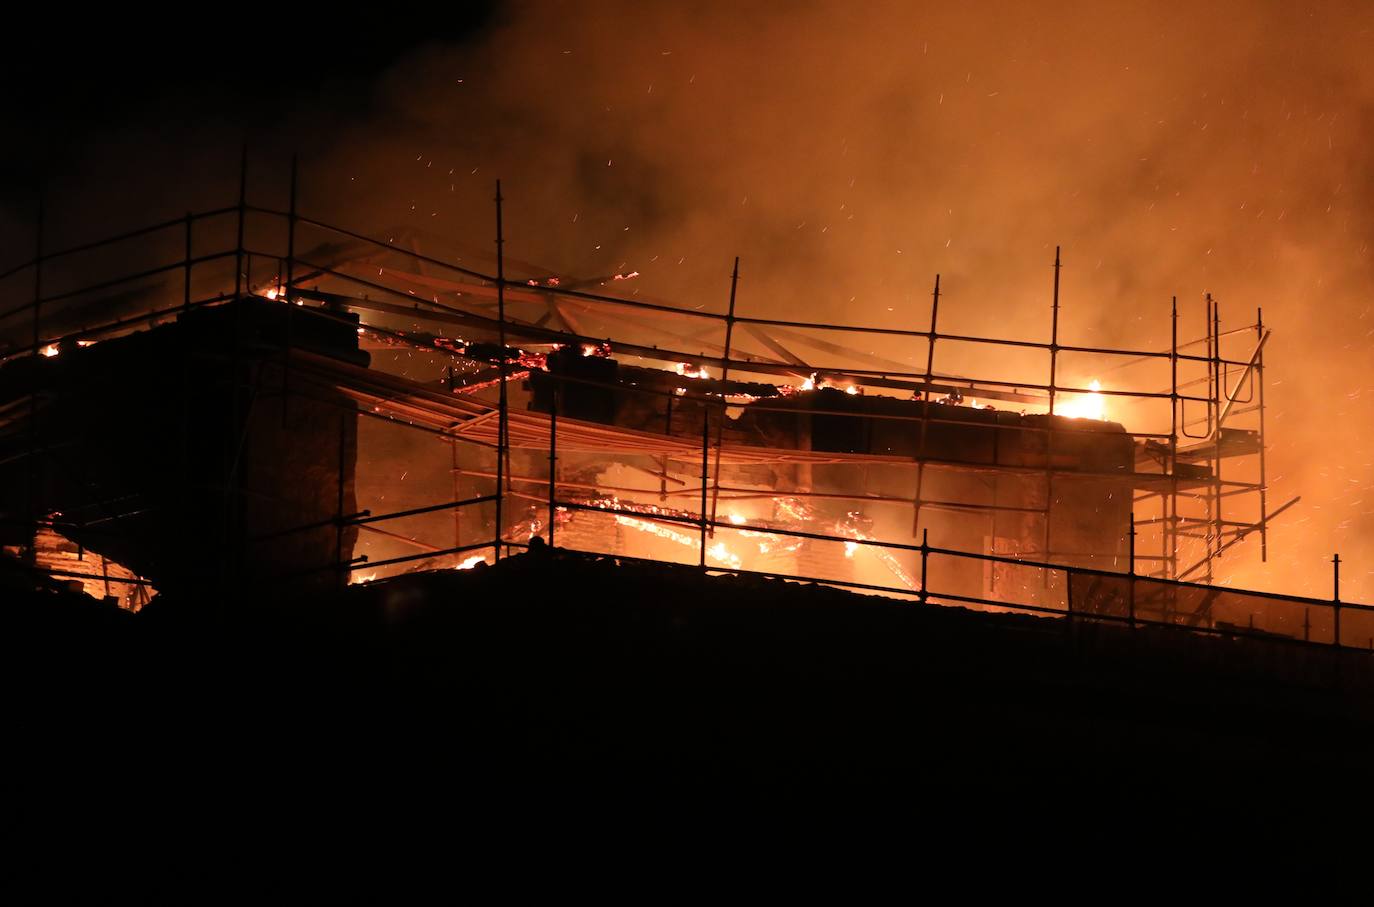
1084, 406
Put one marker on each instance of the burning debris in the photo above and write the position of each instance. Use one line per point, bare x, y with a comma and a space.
82, 570
760, 544
691, 371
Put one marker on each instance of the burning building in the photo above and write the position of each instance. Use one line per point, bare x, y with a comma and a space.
836, 462
345, 409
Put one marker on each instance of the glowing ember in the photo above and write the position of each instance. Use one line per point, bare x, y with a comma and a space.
815, 382
472, 562
360, 579
658, 529
599, 350
482, 385
691, 371
766, 542
851, 526
722, 555
50, 350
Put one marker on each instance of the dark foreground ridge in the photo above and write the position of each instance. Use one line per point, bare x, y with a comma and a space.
503, 691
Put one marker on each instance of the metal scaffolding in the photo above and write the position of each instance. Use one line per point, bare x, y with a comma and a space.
1180, 497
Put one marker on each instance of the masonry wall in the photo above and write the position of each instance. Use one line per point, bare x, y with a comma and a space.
177, 447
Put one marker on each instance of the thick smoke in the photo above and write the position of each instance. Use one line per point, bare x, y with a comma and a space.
849, 152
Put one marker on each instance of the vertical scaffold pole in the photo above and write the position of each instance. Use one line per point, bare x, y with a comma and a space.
1218, 394
1171, 551
1054, 389
663, 462
553, 456
1264, 475
925, 409
925, 565
724, 376
457, 473
501, 367
339, 564
291, 234
1212, 434
1336, 600
1130, 572
705, 464
290, 284
243, 213
33, 470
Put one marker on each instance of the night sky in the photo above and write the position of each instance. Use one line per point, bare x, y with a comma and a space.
847, 152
